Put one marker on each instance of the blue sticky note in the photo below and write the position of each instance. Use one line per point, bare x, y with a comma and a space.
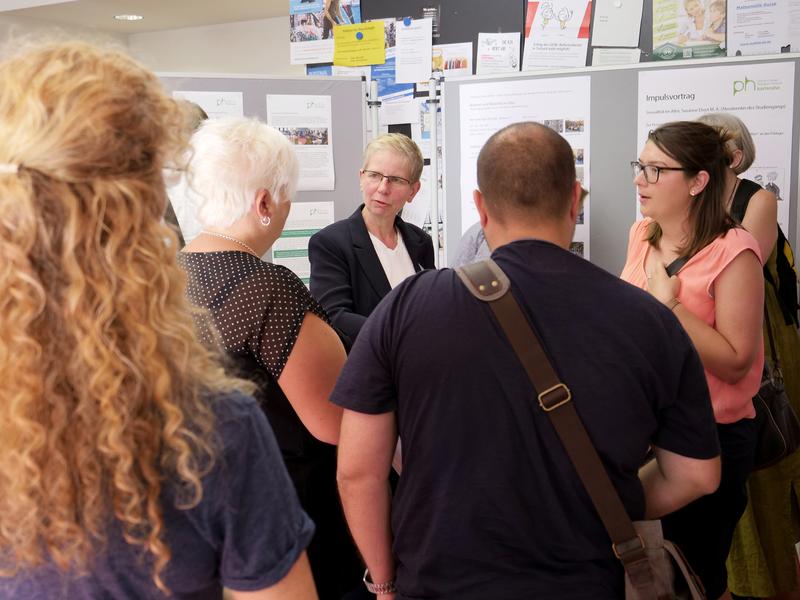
359, 36
407, 21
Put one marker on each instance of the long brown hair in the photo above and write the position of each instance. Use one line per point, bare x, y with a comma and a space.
105, 387
697, 147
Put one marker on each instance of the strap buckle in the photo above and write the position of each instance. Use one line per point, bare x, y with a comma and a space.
631, 546
561, 395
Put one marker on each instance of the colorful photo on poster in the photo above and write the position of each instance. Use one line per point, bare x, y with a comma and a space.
311, 24
689, 29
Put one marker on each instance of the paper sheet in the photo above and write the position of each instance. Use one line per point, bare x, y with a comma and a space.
558, 35
757, 27
497, 53
306, 123
617, 22
414, 39
615, 56
360, 44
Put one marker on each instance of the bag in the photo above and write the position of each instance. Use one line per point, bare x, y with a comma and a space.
776, 422
654, 568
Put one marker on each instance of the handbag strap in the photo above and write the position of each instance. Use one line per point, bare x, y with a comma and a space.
676, 265
487, 282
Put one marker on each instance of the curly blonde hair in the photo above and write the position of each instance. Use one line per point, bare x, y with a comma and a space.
106, 390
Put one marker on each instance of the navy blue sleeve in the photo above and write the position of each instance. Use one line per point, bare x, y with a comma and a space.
366, 381
256, 521
686, 424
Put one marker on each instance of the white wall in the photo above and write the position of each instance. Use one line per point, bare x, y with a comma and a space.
15, 28
256, 47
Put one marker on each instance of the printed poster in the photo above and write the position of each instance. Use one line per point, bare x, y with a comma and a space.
559, 103
757, 27
311, 28
291, 248
761, 95
306, 123
557, 34
216, 104
497, 53
689, 29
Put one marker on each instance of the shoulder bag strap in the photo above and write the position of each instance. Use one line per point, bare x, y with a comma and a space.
488, 283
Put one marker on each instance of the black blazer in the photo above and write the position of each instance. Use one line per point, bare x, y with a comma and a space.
346, 275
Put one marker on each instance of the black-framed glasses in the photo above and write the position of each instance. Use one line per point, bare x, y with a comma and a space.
651, 172
392, 180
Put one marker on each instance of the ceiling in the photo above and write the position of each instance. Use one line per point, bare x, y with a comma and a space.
158, 14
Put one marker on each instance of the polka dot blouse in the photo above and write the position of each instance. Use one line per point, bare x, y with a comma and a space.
257, 307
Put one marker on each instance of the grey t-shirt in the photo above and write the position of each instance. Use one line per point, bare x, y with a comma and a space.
246, 532
472, 247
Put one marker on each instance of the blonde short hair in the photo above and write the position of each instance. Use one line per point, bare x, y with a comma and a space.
401, 145
738, 133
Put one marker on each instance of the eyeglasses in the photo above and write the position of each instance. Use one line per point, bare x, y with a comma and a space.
377, 178
651, 172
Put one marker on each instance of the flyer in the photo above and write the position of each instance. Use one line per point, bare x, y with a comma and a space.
414, 48
757, 27
359, 45
311, 28
306, 123
497, 53
559, 103
761, 95
557, 34
688, 29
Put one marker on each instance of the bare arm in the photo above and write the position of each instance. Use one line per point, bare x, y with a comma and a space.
297, 585
729, 348
309, 376
672, 481
761, 220
366, 448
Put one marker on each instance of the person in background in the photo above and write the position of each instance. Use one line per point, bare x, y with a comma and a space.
762, 562
244, 176
179, 195
488, 503
472, 247
356, 261
718, 296
131, 466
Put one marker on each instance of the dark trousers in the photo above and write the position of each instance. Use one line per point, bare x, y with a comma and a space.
704, 528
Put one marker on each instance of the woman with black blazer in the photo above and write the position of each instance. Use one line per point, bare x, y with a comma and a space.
355, 262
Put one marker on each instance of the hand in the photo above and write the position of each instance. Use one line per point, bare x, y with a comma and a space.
663, 287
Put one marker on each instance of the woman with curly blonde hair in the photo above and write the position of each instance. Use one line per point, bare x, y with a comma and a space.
131, 466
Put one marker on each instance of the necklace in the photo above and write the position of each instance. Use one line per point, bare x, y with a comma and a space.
230, 238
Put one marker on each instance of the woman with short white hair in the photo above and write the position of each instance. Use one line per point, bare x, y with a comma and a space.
243, 175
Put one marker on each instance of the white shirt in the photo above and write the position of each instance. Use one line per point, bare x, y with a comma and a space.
396, 263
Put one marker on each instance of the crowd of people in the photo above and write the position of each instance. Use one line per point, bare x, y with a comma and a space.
193, 422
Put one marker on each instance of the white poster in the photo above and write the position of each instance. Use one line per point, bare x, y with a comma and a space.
497, 53
216, 104
413, 50
291, 248
757, 27
306, 122
617, 22
558, 36
559, 103
759, 94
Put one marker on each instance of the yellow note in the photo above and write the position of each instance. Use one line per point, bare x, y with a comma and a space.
359, 44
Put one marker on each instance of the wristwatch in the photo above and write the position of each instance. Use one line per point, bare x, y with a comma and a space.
387, 587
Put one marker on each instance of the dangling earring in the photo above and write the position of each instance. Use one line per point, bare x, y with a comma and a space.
265, 221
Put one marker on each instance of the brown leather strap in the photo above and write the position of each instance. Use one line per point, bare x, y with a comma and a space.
555, 399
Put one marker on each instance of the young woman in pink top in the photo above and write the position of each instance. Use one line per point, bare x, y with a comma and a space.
717, 295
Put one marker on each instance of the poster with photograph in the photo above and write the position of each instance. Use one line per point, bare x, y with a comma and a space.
761, 95
311, 27
556, 34
559, 103
689, 29
306, 123
291, 248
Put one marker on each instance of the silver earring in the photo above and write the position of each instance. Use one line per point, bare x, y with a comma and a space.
265, 221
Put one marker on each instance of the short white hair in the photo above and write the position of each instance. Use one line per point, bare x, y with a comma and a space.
233, 158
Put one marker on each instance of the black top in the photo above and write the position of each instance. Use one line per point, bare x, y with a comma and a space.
258, 308
488, 504
346, 274
246, 532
